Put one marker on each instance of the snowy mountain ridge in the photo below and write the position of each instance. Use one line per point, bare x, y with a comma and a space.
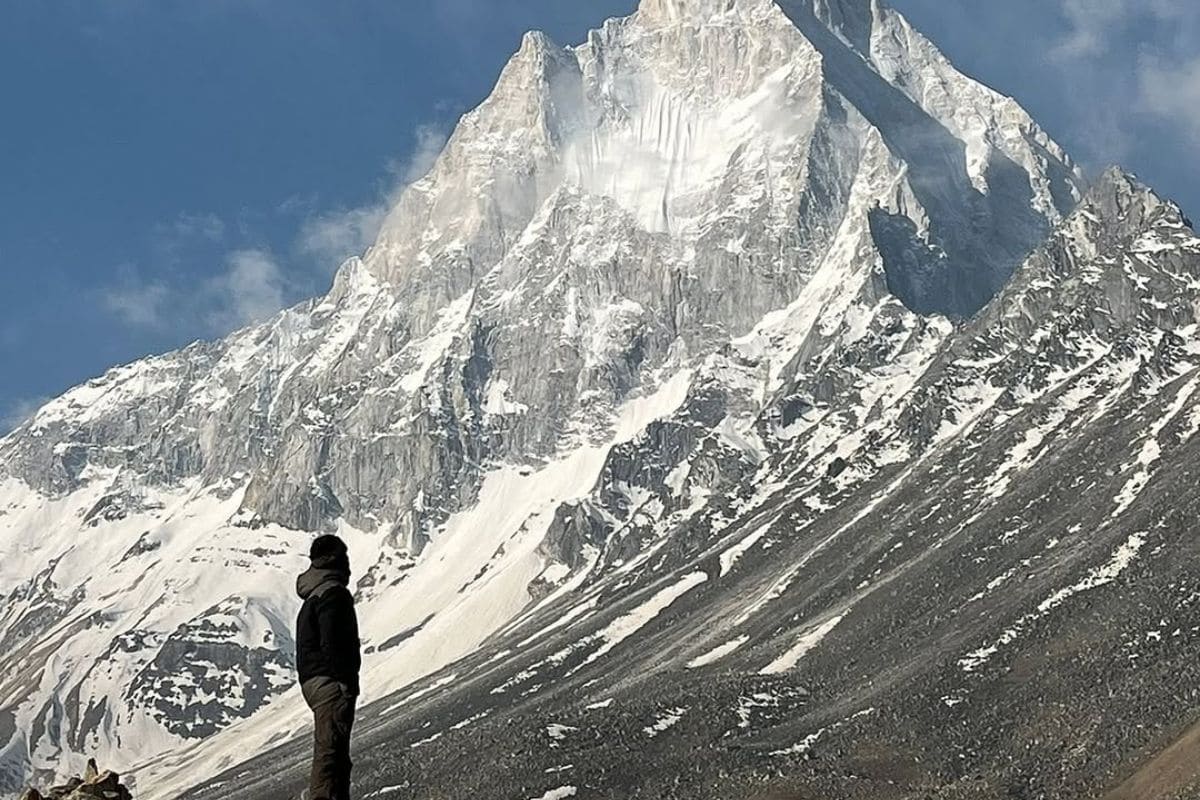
719, 259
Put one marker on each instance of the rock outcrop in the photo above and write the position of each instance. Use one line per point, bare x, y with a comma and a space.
94, 785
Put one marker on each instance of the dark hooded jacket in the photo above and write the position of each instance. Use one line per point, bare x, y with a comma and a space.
327, 643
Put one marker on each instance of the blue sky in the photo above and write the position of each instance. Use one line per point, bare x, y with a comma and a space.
171, 170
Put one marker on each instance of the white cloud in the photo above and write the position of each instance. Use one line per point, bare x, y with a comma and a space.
1091, 23
1128, 63
172, 241
1171, 91
153, 302
193, 226
19, 411
333, 236
430, 141
1095, 23
137, 302
251, 290
252, 285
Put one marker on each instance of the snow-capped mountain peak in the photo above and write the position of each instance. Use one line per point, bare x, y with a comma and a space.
661, 113
595, 315
671, 12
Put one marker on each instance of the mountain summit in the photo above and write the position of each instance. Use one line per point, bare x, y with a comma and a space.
731, 381
691, 102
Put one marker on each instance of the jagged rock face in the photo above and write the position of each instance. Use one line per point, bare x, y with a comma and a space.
729, 268
668, 183
213, 671
953, 537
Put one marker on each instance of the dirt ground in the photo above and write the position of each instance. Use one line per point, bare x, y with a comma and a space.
1172, 774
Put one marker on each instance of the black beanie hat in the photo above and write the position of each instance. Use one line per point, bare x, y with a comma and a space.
327, 546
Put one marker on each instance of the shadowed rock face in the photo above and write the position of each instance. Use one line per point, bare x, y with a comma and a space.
197, 685
973, 238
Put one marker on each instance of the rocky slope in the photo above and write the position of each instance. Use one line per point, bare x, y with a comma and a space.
707, 373
964, 569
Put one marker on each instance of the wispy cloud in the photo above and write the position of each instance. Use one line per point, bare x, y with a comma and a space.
1171, 90
151, 301
171, 241
193, 226
18, 411
1093, 24
252, 289
430, 141
331, 237
136, 301
1130, 63
252, 284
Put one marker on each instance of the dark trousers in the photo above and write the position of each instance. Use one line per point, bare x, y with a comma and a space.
333, 719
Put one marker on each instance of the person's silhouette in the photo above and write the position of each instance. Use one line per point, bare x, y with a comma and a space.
328, 660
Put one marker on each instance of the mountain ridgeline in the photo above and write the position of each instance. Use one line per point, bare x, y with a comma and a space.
744, 381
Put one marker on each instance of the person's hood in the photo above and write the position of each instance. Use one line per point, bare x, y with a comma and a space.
323, 570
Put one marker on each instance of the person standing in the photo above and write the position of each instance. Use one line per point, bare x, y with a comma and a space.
328, 659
